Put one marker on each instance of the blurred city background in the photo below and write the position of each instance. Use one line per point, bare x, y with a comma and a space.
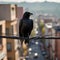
46, 17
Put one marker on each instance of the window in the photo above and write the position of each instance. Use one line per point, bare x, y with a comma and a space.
11, 30
7, 31
13, 8
9, 47
1, 34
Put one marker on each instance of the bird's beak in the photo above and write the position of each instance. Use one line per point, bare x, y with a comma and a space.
31, 13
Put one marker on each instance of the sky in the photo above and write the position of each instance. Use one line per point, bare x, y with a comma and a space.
31, 0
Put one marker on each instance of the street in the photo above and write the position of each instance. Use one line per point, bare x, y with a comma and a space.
34, 51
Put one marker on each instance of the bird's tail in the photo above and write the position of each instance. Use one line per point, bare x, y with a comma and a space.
27, 39
21, 41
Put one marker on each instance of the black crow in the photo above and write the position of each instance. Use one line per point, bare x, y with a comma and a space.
25, 27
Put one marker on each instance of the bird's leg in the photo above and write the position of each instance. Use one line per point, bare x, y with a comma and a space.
21, 42
25, 49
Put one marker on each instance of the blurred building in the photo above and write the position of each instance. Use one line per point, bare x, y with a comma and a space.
49, 22
57, 43
10, 14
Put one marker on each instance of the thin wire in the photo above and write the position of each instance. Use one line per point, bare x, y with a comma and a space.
15, 37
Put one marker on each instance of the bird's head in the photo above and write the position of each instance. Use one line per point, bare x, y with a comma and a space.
27, 15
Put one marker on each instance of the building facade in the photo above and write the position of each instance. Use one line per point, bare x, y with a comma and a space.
57, 43
9, 19
49, 22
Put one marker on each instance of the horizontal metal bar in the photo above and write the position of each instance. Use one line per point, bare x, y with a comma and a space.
45, 38
11, 37
15, 37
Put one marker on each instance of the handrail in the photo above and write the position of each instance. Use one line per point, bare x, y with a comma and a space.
15, 37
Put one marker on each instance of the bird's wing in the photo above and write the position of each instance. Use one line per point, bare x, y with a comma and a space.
31, 27
31, 24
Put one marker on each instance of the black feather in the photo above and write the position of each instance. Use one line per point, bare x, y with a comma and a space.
25, 26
